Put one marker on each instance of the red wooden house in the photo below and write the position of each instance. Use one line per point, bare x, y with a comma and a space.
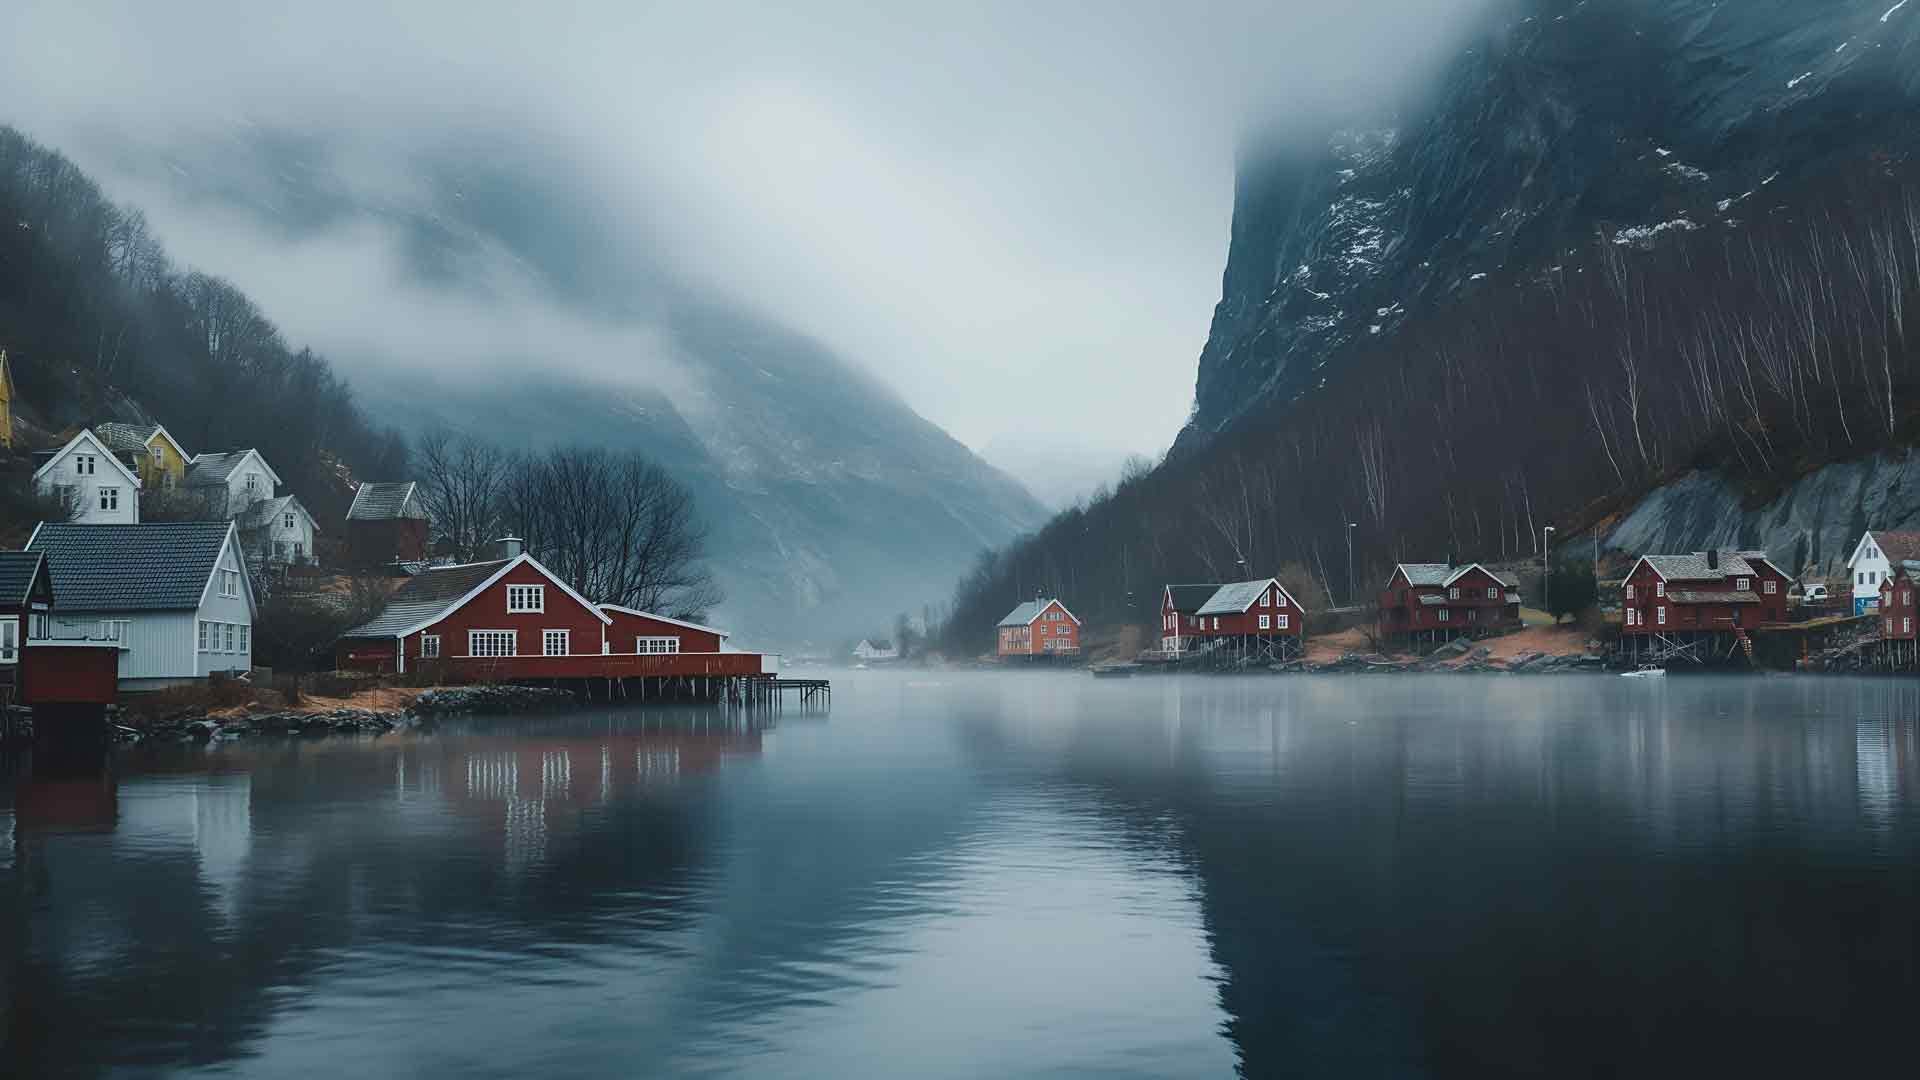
1180, 616
386, 524
1699, 605
1437, 602
1253, 620
1899, 617
1039, 628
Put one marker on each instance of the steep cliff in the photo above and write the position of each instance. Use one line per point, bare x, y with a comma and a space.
1634, 120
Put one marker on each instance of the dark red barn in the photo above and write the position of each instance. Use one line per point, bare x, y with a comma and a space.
386, 524
1180, 615
1436, 602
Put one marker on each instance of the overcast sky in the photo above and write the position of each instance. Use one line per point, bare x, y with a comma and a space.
988, 204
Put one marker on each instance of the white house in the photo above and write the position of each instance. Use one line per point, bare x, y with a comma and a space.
230, 482
1872, 560
278, 532
868, 650
99, 487
175, 595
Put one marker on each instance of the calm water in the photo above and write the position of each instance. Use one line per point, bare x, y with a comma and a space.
978, 875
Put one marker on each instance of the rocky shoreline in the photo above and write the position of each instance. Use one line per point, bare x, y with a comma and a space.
198, 726
1461, 657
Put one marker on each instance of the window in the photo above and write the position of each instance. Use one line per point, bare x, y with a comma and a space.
1659, 588
1743, 584
1630, 614
1906, 625
1906, 597
1266, 622
1860, 578
84, 464
1283, 622
1493, 592
526, 598
286, 520
1265, 599
253, 482
492, 643
1887, 624
1216, 622
228, 637
1473, 614
1771, 587
1629, 591
114, 630
229, 583
9, 641
109, 498
1279, 598
429, 646
1445, 615
1453, 593
1660, 615
246, 638
555, 642
205, 629
666, 644
38, 626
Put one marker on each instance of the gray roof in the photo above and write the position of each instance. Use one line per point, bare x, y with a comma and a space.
215, 468
425, 596
1693, 565
1187, 599
381, 502
262, 513
1712, 596
161, 567
1234, 598
1425, 573
1031, 610
17, 571
125, 438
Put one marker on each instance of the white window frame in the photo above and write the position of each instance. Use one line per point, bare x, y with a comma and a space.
1266, 622
109, 498
1446, 615
9, 640
206, 632
1770, 587
1742, 584
526, 599
246, 638
227, 636
1279, 599
551, 637
1265, 596
1493, 592
1630, 614
1629, 590
1659, 588
656, 645
476, 637
1453, 593
229, 583
85, 465
1660, 615
1283, 622
287, 520
429, 646
1906, 624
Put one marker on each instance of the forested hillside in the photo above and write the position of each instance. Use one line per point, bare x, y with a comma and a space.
99, 324
1599, 257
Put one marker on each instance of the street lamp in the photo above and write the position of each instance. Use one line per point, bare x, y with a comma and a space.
1546, 574
1351, 599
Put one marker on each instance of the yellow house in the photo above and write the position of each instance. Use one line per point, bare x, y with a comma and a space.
6, 401
152, 451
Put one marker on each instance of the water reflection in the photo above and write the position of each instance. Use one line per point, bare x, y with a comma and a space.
996, 876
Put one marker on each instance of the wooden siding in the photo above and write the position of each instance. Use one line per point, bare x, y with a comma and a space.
69, 675
1029, 640
1247, 623
626, 628
1898, 618
1642, 593
488, 611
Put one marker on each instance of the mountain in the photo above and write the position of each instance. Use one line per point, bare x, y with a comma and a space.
478, 286
1607, 247
1634, 120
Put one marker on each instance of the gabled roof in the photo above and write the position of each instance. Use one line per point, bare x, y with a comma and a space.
18, 572
1508, 580
382, 501
1896, 546
216, 468
85, 435
682, 623
1693, 566
262, 513
157, 567
125, 438
435, 593
1236, 598
1029, 611
1713, 596
1424, 573
1187, 599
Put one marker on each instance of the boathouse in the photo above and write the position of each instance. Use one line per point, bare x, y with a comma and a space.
1249, 621
1701, 606
1433, 603
1039, 628
1180, 606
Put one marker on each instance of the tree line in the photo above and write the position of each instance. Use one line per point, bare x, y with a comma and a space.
1763, 347
91, 304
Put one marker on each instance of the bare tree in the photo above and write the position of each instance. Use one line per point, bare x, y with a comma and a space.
461, 487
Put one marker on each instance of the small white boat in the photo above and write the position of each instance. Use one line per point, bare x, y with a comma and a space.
1646, 671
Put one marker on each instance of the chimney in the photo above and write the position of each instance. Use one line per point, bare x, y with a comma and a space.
1713, 558
509, 547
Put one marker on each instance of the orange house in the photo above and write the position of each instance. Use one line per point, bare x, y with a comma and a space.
1039, 628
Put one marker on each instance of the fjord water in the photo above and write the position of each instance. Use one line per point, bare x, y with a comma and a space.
996, 875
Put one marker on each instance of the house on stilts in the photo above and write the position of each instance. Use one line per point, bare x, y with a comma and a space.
1700, 607
1249, 622
1430, 604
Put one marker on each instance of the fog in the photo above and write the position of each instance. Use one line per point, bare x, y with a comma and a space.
1002, 210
